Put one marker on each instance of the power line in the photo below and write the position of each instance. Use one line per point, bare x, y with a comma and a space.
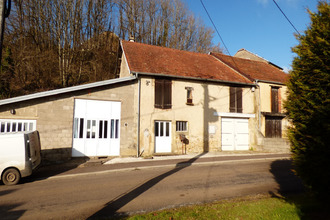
286, 17
215, 27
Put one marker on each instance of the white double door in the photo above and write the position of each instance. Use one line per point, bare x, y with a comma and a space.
163, 141
96, 128
235, 134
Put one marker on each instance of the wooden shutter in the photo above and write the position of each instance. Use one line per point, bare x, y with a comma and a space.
274, 99
232, 99
163, 93
239, 102
167, 94
158, 93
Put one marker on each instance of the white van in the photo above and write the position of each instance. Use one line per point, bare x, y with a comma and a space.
19, 155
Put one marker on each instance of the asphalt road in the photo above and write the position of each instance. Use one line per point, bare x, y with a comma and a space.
107, 190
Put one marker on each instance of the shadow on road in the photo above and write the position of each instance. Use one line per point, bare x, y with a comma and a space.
292, 191
49, 170
110, 209
7, 210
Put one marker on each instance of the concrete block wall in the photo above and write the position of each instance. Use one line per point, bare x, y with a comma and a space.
54, 116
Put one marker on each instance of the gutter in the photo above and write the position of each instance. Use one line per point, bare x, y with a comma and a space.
192, 78
272, 82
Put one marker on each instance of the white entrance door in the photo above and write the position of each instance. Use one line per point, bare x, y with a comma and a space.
96, 128
163, 141
235, 134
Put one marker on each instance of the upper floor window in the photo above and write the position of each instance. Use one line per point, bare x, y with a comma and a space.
189, 95
235, 100
275, 99
163, 93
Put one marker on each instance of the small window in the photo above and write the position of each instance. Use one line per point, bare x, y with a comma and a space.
189, 95
181, 126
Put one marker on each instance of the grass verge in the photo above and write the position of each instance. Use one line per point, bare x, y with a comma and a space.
300, 206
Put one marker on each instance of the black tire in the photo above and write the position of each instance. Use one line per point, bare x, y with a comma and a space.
11, 177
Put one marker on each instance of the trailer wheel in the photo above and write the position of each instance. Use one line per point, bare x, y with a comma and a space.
11, 177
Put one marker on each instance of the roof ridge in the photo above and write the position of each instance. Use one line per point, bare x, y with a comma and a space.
166, 48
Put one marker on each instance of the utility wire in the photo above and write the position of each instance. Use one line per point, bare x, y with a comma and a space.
286, 17
215, 27
232, 58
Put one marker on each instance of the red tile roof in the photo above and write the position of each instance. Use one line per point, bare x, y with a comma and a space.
144, 58
254, 70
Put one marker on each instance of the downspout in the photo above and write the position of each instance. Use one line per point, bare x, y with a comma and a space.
259, 110
138, 118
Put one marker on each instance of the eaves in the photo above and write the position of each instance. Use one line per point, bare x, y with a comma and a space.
65, 90
191, 78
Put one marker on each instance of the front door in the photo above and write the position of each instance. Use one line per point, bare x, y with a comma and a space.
163, 137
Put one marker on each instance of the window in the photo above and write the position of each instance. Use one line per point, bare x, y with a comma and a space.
275, 99
235, 100
162, 129
189, 95
9, 125
163, 93
181, 126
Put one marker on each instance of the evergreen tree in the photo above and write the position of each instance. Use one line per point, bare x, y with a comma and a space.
308, 103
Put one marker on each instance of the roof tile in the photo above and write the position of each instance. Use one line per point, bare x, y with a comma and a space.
151, 59
255, 70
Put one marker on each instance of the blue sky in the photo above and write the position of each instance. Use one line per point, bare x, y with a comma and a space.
257, 25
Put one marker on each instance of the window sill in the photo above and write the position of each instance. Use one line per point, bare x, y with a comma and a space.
191, 104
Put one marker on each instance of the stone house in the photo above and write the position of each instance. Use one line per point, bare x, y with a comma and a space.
165, 101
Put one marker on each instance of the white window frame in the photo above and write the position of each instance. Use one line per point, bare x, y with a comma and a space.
7, 125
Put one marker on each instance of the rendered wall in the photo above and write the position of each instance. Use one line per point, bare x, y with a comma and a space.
208, 99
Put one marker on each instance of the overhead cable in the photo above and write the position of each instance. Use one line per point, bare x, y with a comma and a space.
215, 27
286, 17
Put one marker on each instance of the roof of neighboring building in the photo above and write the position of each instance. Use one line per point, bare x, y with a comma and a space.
156, 60
255, 70
65, 90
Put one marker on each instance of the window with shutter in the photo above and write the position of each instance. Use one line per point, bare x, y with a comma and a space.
163, 93
235, 100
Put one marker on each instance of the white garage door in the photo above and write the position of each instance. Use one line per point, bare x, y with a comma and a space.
96, 128
235, 134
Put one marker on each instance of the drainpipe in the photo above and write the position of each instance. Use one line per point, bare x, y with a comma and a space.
138, 119
259, 110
